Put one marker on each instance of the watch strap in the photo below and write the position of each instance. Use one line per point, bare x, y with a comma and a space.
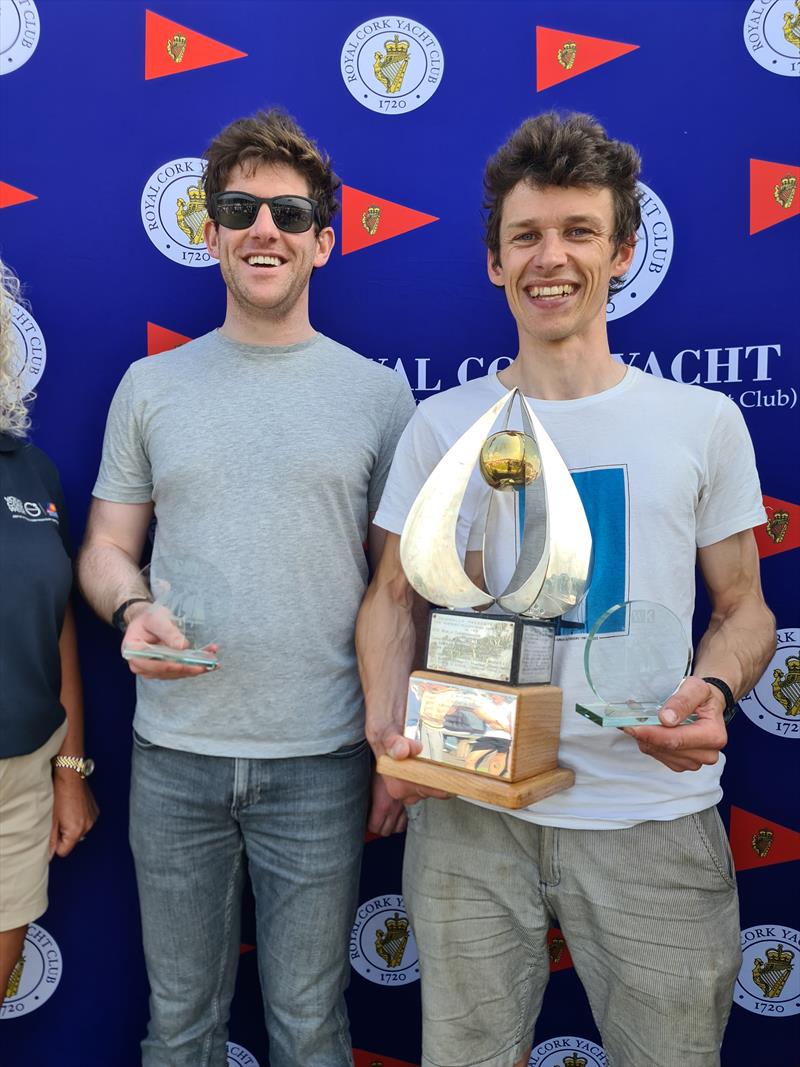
118, 618
74, 763
731, 707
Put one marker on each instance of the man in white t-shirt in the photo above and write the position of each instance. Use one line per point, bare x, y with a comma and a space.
632, 862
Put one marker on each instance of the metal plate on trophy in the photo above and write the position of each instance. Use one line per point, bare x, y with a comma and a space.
189, 606
502, 648
635, 657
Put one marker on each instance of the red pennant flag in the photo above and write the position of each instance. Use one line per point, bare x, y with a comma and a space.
561, 55
782, 529
757, 842
774, 193
244, 949
377, 1059
10, 195
560, 958
160, 339
368, 220
170, 48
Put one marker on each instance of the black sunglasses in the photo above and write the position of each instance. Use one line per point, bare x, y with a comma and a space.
237, 211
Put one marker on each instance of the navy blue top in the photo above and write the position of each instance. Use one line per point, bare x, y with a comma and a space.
35, 583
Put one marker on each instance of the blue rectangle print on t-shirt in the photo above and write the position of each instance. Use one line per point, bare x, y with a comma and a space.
604, 495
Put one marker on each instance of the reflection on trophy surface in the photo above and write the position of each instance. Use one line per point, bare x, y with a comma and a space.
484, 710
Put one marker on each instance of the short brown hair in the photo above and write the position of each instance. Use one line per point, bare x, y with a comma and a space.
271, 137
564, 150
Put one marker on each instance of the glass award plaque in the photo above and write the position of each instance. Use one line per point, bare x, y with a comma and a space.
187, 611
635, 657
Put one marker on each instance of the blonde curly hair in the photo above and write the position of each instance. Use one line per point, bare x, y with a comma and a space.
14, 417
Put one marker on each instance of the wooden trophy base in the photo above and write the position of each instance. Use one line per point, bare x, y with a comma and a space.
478, 786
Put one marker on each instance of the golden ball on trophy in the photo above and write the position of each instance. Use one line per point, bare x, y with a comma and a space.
509, 460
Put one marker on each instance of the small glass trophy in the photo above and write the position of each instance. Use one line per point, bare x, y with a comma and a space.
636, 656
188, 605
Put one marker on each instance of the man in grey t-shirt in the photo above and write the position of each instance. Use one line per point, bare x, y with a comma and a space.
262, 449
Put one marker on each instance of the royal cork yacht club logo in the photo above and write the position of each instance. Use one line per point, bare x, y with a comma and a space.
781, 531
760, 842
174, 211
772, 35
176, 47
769, 979
382, 945
30, 349
784, 191
773, 193
774, 702
652, 256
568, 1052
368, 219
562, 54
239, 1056
392, 64
36, 975
170, 48
19, 33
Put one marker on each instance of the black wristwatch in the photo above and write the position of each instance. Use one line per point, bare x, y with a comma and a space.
118, 618
731, 706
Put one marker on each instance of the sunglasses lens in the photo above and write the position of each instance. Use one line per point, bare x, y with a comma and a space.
236, 212
292, 214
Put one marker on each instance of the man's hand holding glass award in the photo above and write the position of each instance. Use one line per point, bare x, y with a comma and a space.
483, 709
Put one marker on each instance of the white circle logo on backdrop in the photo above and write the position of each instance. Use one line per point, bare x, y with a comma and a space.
769, 979
772, 36
174, 211
382, 945
392, 65
651, 258
239, 1057
19, 33
556, 1050
34, 979
774, 702
31, 350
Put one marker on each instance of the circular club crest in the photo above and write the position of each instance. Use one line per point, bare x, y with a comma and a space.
774, 702
35, 978
557, 1051
239, 1057
19, 33
392, 65
651, 258
382, 945
769, 980
174, 211
772, 36
31, 349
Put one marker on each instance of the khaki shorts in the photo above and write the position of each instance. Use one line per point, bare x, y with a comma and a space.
649, 913
26, 812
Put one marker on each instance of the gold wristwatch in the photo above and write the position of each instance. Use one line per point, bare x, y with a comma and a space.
81, 764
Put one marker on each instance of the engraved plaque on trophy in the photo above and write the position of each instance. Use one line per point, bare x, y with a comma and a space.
190, 602
483, 708
636, 655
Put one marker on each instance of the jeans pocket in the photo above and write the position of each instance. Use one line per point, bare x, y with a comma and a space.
142, 742
348, 751
712, 834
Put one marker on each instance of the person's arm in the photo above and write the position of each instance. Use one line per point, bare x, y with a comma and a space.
736, 647
108, 573
74, 807
390, 623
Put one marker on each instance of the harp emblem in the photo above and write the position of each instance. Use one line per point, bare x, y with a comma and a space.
770, 977
785, 189
192, 216
15, 978
777, 525
390, 944
371, 218
786, 686
566, 54
556, 949
390, 68
762, 842
791, 26
176, 46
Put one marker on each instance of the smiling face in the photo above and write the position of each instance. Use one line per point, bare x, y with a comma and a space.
266, 269
556, 258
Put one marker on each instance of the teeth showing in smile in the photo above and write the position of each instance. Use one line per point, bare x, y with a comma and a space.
551, 290
263, 261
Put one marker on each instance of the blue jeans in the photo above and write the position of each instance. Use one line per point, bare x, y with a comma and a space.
300, 823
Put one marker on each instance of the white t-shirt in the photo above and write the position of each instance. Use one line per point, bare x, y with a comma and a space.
662, 469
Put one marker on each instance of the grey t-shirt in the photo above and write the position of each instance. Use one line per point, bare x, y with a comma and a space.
263, 462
